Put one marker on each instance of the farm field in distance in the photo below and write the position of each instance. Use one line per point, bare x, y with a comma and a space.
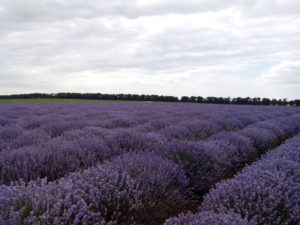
59, 100
98, 162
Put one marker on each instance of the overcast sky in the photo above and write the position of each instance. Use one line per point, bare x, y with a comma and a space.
169, 47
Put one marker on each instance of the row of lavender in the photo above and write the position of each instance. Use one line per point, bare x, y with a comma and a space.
225, 153
267, 192
51, 140
172, 120
140, 186
28, 125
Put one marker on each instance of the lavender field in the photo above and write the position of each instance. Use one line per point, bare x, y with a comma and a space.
149, 163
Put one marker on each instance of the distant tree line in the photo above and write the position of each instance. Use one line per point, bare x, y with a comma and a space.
160, 98
241, 101
94, 96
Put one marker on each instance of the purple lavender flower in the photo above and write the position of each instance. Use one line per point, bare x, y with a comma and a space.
267, 192
131, 161
198, 161
207, 218
233, 150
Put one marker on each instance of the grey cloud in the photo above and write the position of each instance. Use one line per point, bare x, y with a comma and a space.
32, 10
47, 42
51, 10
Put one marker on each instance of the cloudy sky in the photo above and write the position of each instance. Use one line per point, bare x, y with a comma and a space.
169, 47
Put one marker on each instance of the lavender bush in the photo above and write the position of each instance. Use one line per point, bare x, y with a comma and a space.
139, 163
267, 192
162, 186
198, 160
207, 219
127, 189
233, 151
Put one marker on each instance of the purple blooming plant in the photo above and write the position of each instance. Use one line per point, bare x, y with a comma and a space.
246, 119
200, 129
32, 122
265, 135
267, 192
54, 160
58, 127
234, 151
207, 218
161, 184
198, 161
228, 124
125, 190
262, 138
265, 198
281, 130
124, 122
179, 131
33, 137
288, 151
4, 121
111, 163
85, 198
158, 123
10, 132
125, 140
86, 132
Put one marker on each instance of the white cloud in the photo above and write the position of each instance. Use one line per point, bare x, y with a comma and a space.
282, 80
285, 73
